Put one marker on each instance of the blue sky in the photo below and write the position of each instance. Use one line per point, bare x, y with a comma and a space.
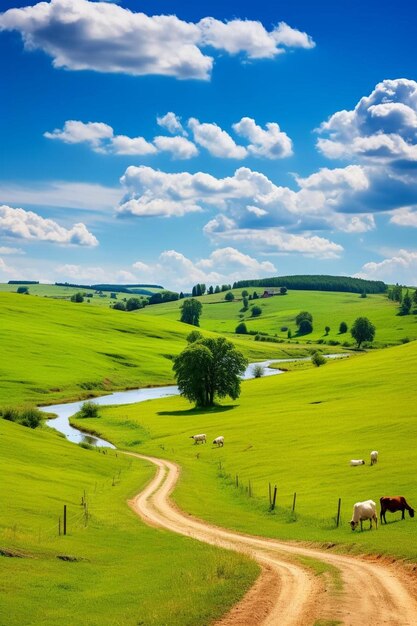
290, 144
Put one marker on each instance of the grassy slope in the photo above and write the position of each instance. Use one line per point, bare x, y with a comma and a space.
298, 430
129, 573
55, 350
327, 308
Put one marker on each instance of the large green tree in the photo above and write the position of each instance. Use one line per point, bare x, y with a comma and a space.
190, 311
208, 368
362, 330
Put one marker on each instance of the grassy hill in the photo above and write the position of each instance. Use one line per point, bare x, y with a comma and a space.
125, 573
327, 308
56, 350
298, 431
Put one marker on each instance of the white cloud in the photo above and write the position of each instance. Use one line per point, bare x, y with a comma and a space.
271, 143
217, 141
6, 271
404, 217
178, 147
21, 224
171, 123
121, 144
8, 250
401, 268
85, 196
74, 131
251, 37
104, 37
224, 265
87, 274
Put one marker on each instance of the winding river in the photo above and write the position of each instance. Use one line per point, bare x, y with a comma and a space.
64, 412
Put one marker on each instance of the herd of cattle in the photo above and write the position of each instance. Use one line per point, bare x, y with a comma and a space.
367, 509
362, 511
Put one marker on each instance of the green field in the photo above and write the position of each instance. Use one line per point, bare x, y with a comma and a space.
327, 308
299, 431
126, 572
53, 350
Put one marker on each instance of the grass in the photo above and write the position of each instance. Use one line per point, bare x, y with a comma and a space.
56, 350
297, 431
327, 308
125, 573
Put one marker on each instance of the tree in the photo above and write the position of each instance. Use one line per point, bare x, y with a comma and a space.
208, 368
229, 297
77, 297
241, 329
22, 290
217, 289
119, 306
406, 305
113, 295
362, 330
289, 333
133, 304
305, 327
283, 291
210, 290
245, 294
193, 336
255, 296
318, 359
303, 315
364, 294
415, 297
194, 291
343, 328
190, 311
327, 329
256, 311
245, 303
181, 296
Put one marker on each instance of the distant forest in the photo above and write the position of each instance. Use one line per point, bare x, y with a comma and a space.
317, 283
110, 287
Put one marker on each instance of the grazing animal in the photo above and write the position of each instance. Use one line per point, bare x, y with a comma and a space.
219, 441
355, 462
363, 511
374, 457
199, 438
393, 504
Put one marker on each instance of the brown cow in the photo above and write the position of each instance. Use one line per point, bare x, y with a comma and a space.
393, 504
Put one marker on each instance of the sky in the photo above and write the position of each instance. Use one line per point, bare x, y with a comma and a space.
176, 142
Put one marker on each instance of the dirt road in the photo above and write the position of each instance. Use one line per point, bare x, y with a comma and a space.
354, 591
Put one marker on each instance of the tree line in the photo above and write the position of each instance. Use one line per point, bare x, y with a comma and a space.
317, 283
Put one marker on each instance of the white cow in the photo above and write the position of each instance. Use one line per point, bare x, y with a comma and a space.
199, 438
363, 511
355, 462
374, 457
219, 441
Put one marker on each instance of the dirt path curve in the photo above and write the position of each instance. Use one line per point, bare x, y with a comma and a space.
286, 594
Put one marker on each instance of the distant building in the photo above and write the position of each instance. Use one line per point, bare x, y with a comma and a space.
268, 293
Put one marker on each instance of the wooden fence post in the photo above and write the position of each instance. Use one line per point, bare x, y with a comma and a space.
237, 481
274, 499
270, 494
338, 512
65, 519
293, 502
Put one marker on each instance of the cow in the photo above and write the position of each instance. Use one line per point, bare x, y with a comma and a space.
374, 457
199, 438
393, 504
363, 511
355, 462
219, 441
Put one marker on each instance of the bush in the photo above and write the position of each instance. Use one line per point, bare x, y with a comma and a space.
22, 290
258, 371
305, 327
229, 297
284, 329
289, 333
318, 359
119, 306
88, 409
241, 329
133, 304
193, 336
77, 297
30, 417
327, 330
343, 328
256, 311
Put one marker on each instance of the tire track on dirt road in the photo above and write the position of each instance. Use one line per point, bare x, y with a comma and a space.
287, 593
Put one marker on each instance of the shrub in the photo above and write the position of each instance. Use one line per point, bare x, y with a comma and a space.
229, 297
256, 311
119, 306
77, 297
327, 330
10, 414
88, 409
30, 417
284, 329
405, 340
318, 359
22, 290
289, 333
133, 304
193, 336
343, 328
305, 327
241, 329
258, 371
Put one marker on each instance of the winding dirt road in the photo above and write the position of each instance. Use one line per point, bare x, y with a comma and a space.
287, 593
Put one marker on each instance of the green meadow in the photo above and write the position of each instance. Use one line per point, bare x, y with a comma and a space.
57, 350
328, 309
298, 431
124, 572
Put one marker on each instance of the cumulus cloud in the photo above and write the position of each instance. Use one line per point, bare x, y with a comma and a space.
74, 131
217, 141
271, 143
178, 147
8, 250
121, 144
223, 265
404, 217
21, 224
97, 274
102, 36
400, 267
172, 123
